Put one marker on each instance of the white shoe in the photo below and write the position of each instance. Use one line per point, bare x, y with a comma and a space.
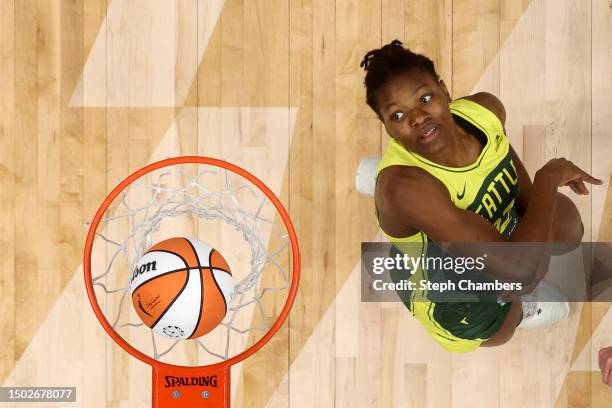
543, 307
365, 178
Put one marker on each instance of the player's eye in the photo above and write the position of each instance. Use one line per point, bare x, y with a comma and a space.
397, 115
425, 98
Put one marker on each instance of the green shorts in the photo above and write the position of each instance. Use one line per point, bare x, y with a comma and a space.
469, 320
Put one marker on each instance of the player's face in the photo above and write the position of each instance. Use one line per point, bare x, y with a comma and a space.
414, 108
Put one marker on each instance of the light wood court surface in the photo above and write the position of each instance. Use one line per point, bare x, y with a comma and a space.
93, 90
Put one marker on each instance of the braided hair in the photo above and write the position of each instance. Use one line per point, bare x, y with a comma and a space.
384, 63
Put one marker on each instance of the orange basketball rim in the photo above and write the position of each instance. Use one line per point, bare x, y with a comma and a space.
200, 385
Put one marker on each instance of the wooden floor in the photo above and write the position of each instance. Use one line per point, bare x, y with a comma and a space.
95, 89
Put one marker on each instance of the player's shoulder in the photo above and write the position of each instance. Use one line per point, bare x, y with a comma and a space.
403, 184
491, 102
392, 176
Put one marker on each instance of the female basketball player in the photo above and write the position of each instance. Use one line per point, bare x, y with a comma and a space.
450, 175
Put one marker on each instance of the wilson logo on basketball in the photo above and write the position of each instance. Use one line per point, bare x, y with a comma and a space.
208, 381
139, 270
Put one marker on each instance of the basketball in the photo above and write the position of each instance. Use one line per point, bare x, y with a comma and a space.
181, 288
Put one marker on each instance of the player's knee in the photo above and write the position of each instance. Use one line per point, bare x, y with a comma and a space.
567, 225
506, 331
502, 337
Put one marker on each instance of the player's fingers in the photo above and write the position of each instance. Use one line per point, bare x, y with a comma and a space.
607, 376
604, 353
581, 187
590, 179
578, 174
572, 185
578, 187
607, 369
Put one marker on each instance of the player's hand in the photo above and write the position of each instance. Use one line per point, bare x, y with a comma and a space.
566, 173
605, 364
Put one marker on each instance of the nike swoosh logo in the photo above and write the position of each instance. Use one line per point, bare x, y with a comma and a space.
460, 196
464, 320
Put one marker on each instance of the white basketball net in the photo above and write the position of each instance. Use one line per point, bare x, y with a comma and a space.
211, 199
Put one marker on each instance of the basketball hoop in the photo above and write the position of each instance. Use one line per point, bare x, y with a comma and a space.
215, 199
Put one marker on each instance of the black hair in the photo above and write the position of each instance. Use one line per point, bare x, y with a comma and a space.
384, 63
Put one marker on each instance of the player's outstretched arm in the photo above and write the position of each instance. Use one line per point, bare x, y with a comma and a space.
432, 211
